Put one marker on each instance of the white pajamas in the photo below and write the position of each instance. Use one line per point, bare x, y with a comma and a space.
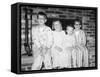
59, 56
71, 50
42, 42
82, 56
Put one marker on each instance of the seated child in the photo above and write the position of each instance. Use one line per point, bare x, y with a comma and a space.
69, 45
81, 42
58, 53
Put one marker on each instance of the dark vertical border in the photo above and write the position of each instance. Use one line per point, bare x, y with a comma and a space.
96, 38
18, 38
13, 38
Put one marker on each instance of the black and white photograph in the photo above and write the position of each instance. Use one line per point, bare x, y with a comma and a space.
57, 37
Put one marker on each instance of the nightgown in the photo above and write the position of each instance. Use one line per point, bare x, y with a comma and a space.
59, 56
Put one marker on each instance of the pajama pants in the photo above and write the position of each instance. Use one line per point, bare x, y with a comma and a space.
76, 57
82, 56
85, 57
73, 58
39, 59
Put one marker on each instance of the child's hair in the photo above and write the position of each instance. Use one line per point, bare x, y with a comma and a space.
70, 25
43, 14
55, 21
78, 20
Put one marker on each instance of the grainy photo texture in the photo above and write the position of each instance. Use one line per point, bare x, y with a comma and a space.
57, 38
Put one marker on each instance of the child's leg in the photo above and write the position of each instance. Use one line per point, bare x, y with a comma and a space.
85, 57
74, 58
54, 62
37, 63
47, 59
37, 58
68, 59
79, 57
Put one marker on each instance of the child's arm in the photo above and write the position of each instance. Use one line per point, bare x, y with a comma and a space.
75, 43
35, 43
83, 38
50, 38
35, 40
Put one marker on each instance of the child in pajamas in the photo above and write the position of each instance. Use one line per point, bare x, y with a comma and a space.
81, 42
42, 43
59, 58
69, 45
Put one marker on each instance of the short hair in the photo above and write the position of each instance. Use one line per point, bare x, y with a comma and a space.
43, 14
56, 21
70, 25
78, 20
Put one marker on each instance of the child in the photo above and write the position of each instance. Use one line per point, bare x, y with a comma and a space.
58, 53
81, 42
42, 42
69, 43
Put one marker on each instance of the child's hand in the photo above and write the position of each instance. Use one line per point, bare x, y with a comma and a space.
58, 48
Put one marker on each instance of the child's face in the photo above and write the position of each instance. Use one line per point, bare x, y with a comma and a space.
57, 26
77, 25
69, 30
41, 19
